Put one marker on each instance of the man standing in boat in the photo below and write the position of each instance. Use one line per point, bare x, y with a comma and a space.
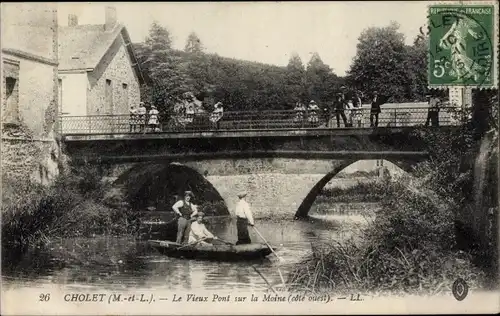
199, 233
244, 218
185, 209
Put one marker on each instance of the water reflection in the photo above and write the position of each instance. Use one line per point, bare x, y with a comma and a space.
118, 262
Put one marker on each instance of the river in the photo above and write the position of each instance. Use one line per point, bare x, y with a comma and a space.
117, 263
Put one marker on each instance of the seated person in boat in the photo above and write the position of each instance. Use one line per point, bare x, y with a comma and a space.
199, 231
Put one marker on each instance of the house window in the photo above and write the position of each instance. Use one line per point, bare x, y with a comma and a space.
59, 92
10, 104
125, 97
109, 97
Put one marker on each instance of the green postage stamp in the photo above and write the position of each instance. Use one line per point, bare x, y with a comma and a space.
463, 45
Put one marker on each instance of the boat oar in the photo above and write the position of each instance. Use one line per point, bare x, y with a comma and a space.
225, 241
268, 245
271, 248
193, 243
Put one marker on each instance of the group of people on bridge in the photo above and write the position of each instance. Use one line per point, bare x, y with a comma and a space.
192, 230
141, 118
184, 113
343, 103
347, 107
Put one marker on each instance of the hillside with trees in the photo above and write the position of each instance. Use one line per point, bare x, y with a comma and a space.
383, 62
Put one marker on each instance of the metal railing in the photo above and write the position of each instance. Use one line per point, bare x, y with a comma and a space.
253, 120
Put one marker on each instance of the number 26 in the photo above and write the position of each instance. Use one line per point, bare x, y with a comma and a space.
44, 297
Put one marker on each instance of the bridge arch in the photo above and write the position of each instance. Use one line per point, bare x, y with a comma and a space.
304, 208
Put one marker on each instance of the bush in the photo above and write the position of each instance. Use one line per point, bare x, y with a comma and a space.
71, 206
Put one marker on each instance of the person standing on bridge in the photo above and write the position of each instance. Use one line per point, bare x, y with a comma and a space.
339, 109
244, 218
153, 122
433, 112
141, 116
313, 114
377, 101
186, 210
132, 119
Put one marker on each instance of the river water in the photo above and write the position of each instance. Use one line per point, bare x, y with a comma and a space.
117, 263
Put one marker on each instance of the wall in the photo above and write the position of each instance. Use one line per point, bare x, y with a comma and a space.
30, 27
74, 93
29, 38
117, 67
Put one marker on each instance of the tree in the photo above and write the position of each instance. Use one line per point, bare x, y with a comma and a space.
193, 44
159, 37
321, 82
167, 80
416, 67
379, 62
295, 80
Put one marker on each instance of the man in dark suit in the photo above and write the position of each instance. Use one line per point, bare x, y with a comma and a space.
377, 101
433, 112
339, 106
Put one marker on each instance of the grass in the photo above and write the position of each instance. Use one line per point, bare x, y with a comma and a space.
371, 191
409, 247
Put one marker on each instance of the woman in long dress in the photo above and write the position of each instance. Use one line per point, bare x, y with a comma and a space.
153, 119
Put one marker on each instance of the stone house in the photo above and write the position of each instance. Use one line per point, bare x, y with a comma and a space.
98, 70
29, 90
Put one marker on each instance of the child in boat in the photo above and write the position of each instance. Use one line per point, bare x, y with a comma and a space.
199, 231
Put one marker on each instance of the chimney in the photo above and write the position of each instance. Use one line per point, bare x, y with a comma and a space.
110, 18
72, 20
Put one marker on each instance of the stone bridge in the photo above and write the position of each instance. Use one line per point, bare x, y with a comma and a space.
290, 167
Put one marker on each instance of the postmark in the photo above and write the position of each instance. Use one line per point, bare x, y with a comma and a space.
460, 289
462, 46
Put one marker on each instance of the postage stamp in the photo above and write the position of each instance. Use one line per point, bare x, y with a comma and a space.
463, 45
237, 158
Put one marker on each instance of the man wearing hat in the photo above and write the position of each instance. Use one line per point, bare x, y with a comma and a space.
339, 105
185, 209
433, 112
244, 218
199, 232
377, 101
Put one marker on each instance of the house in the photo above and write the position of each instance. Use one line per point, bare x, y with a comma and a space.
29, 90
98, 70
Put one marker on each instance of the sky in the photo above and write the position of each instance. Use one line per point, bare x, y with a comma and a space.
267, 32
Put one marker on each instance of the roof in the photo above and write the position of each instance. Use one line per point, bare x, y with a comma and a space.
82, 47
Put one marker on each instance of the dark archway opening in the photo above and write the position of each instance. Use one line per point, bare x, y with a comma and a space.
307, 203
159, 186
152, 189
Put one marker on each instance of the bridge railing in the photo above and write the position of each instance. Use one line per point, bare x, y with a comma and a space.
253, 120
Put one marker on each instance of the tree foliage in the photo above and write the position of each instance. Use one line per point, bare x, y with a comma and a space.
385, 64
193, 44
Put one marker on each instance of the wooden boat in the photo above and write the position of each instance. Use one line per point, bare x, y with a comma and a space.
220, 252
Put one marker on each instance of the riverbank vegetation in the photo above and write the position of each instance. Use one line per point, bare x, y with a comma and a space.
75, 205
409, 246
370, 190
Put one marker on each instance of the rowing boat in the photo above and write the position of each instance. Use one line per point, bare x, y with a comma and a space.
222, 252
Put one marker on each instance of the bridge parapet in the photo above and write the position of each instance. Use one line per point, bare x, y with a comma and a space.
391, 116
